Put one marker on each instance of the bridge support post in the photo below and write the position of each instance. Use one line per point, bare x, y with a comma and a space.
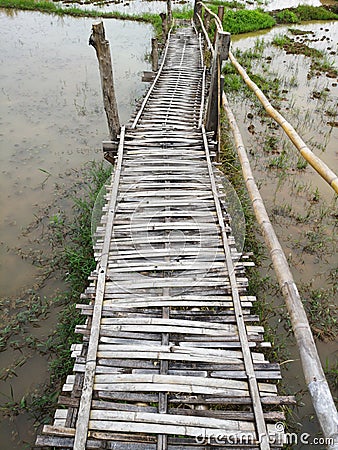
169, 13
164, 26
154, 54
102, 48
221, 53
197, 10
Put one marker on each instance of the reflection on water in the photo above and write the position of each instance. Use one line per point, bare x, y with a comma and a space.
51, 122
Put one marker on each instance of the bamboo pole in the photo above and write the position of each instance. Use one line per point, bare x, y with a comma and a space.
218, 22
329, 176
164, 26
313, 372
101, 45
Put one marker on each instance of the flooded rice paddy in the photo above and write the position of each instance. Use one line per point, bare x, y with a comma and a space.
52, 123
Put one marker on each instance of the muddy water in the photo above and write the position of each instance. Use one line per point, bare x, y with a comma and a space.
129, 6
52, 122
271, 5
310, 104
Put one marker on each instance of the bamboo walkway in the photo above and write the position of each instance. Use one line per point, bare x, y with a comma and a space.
172, 354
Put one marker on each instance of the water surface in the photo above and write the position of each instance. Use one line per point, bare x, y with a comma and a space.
52, 123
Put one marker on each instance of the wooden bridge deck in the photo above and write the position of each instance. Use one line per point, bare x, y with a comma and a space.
172, 354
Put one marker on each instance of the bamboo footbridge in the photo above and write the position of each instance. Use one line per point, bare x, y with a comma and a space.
172, 355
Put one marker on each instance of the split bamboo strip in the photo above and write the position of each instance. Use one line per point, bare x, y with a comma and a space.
324, 171
314, 375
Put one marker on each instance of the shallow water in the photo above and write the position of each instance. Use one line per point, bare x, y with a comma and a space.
290, 193
52, 122
129, 6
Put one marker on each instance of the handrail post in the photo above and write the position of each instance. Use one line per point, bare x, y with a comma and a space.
197, 10
164, 26
221, 53
169, 13
101, 45
154, 54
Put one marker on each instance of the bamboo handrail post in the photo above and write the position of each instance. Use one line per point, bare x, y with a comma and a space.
169, 13
102, 48
165, 28
221, 52
220, 14
154, 54
218, 23
197, 10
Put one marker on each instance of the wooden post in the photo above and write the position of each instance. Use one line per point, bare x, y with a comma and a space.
220, 13
169, 13
214, 103
197, 11
164, 26
154, 54
101, 45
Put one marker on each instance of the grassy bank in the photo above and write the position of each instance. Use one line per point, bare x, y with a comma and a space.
236, 20
53, 8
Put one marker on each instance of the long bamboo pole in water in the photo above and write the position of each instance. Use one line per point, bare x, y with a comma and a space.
314, 375
329, 176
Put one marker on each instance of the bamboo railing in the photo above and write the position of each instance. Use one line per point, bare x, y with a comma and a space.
318, 165
313, 372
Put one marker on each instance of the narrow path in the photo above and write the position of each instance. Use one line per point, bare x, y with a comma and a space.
172, 354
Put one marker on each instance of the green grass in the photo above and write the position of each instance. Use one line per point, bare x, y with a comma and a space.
244, 21
303, 13
52, 8
233, 5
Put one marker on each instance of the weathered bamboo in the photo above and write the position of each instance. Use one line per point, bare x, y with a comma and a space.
164, 26
169, 13
154, 54
314, 375
101, 45
218, 22
222, 45
197, 10
329, 176
220, 13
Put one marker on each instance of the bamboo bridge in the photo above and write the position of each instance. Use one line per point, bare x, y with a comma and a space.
172, 354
